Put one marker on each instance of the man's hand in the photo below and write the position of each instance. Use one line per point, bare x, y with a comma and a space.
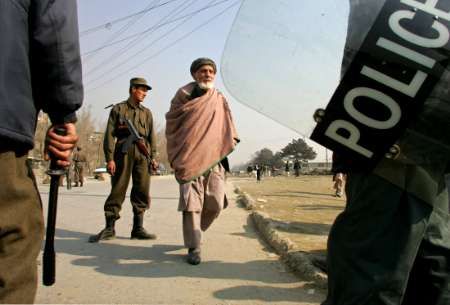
111, 167
60, 147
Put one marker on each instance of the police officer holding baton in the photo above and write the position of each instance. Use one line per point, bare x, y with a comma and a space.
40, 69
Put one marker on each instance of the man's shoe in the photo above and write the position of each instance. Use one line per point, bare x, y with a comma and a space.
141, 233
193, 256
105, 234
138, 231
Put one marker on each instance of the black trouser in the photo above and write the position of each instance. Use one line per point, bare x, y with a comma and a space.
388, 247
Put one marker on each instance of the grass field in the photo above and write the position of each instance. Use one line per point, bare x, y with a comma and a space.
302, 208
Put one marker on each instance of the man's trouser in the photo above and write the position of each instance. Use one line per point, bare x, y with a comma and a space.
21, 229
78, 174
201, 201
338, 183
388, 247
134, 165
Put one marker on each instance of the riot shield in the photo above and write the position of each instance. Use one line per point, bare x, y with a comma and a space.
283, 58
367, 79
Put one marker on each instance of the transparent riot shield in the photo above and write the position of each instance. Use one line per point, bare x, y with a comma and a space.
283, 58
367, 79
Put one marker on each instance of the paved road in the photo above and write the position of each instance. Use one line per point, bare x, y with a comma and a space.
237, 268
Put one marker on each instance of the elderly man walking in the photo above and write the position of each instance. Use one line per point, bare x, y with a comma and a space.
200, 135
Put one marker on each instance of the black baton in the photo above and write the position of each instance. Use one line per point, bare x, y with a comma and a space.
55, 172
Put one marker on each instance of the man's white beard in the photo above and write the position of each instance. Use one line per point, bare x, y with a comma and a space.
206, 85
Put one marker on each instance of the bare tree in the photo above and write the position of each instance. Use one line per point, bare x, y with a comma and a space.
91, 140
161, 147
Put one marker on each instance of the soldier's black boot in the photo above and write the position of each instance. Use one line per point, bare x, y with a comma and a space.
138, 231
107, 233
193, 256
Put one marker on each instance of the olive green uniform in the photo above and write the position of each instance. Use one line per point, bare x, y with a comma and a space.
79, 160
21, 229
132, 163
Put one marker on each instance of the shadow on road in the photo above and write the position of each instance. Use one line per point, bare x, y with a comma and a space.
264, 294
153, 260
150, 260
302, 227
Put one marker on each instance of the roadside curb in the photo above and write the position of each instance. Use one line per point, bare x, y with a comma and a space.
300, 262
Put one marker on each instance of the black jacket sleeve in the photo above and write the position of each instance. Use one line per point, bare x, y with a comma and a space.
55, 58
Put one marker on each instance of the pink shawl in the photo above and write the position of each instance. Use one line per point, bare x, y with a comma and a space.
200, 132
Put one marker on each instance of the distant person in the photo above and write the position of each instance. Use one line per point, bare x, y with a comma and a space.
391, 244
338, 179
129, 164
79, 159
200, 134
287, 168
258, 172
250, 170
297, 167
40, 69
338, 169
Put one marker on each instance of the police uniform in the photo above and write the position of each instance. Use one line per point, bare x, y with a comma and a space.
391, 244
131, 163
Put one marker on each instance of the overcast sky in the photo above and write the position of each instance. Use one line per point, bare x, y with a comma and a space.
160, 44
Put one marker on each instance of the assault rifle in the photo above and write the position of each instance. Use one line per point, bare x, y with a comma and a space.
136, 138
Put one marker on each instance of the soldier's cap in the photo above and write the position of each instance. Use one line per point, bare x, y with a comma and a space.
200, 62
139, 81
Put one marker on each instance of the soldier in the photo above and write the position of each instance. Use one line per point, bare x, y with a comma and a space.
200, 135
40, 69
129, 162
79, 160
